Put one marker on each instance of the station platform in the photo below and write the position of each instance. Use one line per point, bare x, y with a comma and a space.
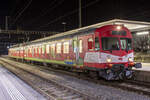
145, 67
13, 88
143, 74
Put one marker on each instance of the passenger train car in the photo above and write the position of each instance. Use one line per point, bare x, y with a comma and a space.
107, 50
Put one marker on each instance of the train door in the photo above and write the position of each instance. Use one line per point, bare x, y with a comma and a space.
76, 50
80, 51
47, 51
92, 50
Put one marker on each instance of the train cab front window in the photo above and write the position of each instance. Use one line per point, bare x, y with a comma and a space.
97, 46
129, 44
123, 44
126, 43
110, 43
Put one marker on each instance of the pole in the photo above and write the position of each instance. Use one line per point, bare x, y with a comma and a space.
6, 23
64, 23
80, 19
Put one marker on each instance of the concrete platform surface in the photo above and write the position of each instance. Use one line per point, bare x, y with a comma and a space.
13, 88
143, 74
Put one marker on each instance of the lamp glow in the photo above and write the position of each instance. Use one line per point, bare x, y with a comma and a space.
118, 27
142, 33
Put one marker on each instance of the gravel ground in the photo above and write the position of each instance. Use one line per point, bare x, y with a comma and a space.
101, 91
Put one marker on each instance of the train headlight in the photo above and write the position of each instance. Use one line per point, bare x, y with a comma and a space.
130, 59
108, 60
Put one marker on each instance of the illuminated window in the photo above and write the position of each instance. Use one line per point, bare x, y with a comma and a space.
43, 49
32, 50
35, 49
39, 49
90, 44
58, 47
47, 48
66, 47
25, 50
74, 46
52, 48
80, 46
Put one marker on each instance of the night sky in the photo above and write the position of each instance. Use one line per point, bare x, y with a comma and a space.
49, 14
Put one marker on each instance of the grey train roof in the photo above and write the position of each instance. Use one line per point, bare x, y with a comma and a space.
133, 26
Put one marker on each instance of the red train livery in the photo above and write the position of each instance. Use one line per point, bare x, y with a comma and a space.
106, 50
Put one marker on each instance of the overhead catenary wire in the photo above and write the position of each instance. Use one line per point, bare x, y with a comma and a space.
47, 10
22, 12
70, 13
136, 15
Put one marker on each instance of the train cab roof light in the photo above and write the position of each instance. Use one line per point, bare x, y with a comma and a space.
119, 27
142, 33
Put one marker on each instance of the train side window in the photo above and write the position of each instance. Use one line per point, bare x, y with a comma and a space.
58, 48
97, 46
28, 50
47, 48
35, 50
74, 45
32, 50
43, 49
80, 46
90, 44
39, 49
66, 47
52, 49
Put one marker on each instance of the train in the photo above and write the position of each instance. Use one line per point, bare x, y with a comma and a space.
106, 51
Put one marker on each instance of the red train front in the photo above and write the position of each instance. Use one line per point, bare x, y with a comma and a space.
113, 53
107, 50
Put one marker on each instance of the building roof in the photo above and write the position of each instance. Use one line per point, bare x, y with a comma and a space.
133, 26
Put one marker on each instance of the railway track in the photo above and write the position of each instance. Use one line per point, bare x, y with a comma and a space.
129, 85
49, 88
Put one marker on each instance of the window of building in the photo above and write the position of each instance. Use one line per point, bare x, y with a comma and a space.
80, 46
58, 48
66, 47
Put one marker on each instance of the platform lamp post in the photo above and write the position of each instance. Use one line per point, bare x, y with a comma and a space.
64, 23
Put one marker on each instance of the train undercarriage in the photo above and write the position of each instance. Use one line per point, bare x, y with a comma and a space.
118, 72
